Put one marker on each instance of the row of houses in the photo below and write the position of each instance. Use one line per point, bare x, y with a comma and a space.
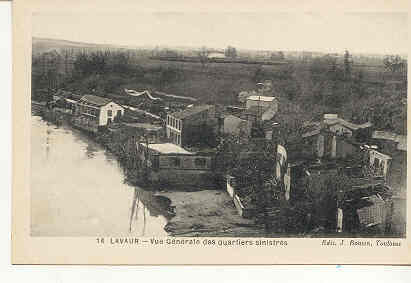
93, 113
332, 138
330, 142
158, 147
335, 145
180, 126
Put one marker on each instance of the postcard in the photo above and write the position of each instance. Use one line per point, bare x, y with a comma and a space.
223, 133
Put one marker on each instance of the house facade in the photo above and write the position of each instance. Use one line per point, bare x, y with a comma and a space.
182, 125
100, 109
327, 144
172, 164
335, 138
93, 112
341, 127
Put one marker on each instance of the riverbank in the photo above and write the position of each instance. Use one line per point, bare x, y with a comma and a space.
207, 213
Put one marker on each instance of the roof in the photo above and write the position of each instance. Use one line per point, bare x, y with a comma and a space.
216, 54
383, 135
402, 142
313, 128
347, 124
143, 93
268, 114
232, 123
167, 148
384, 156
261, 98
311, 133
400, 139
190, 111
71, 100
232, 117
146, 126
95, 100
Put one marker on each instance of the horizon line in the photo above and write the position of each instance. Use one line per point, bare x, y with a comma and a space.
212, 47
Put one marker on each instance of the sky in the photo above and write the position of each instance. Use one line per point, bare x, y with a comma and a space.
382, 33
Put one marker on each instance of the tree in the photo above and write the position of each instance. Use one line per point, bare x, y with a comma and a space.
120, 63
325, 68
230, 52
277, 55
347, 65
258, 74
394, 63
203, 55
93, 63
358, 84
321, 195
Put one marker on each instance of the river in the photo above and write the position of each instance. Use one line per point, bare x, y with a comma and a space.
78, 189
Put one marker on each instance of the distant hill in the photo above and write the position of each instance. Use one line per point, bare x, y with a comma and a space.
41, 45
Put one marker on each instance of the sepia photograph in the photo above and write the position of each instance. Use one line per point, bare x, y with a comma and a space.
260, 125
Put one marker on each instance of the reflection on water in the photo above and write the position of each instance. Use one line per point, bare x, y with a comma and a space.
90, 150
78, 189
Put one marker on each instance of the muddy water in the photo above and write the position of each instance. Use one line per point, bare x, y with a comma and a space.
78, 189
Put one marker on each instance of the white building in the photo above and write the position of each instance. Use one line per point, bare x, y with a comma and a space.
214, 55
262, 101
100, 110
380, 162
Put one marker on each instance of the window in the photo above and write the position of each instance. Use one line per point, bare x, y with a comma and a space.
109, 113
174, 161
156, 163
200, 162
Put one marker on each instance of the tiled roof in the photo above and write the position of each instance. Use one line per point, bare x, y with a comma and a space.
95, 100
190, 111
313, 128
